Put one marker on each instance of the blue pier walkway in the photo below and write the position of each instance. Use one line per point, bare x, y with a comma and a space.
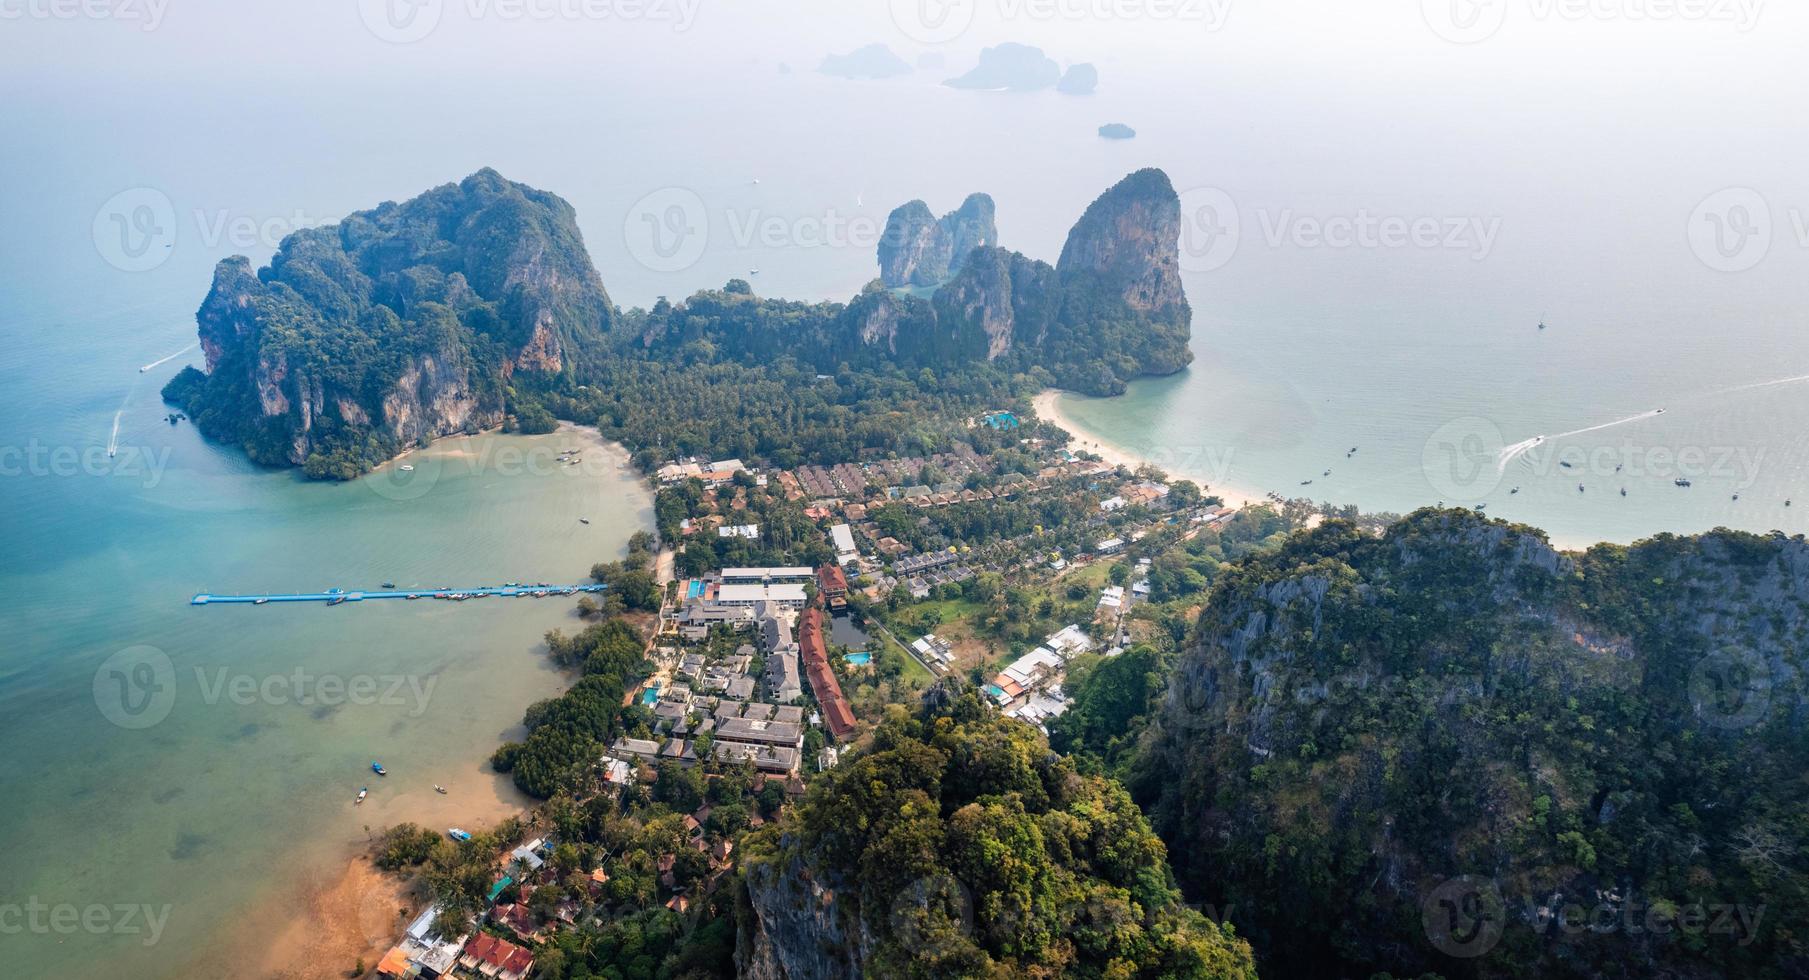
456, 595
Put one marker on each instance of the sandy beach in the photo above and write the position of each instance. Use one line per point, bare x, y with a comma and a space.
326, 906
1048, 407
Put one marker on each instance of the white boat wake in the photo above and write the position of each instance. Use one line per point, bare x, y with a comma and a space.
1518, 449
1799, 379
166, 360
113, 440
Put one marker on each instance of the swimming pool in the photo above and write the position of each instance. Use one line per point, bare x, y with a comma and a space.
651, 696
859, 657
694, 588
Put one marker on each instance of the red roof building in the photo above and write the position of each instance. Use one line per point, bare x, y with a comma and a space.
832, 582
493, 957
836, 713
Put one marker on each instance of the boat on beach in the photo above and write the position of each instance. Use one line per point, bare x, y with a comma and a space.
458, 835
437, 788
363, 791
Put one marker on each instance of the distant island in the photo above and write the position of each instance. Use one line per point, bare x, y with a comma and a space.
1117, 131
1080, 79
872, 61
476, 305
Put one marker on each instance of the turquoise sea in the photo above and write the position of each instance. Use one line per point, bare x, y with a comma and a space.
233, 123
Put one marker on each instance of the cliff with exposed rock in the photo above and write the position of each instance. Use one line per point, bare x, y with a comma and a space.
393, 327
1454, 749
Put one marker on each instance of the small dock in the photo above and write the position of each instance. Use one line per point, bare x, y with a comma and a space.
335, 596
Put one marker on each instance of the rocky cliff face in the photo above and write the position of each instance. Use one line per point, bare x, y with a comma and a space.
919, 249
1128, 242
1368, 727
794, 929
999, 300
398, 325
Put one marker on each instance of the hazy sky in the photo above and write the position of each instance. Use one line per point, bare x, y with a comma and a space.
1588, 123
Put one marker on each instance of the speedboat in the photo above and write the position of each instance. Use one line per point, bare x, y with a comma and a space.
584, 520
259, 601
377, 767
458, 835
1680, 483
336, 600
406, 468
363, 791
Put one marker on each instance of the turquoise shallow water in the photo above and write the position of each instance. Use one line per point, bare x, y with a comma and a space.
1276, 400
200, 761
1591, 164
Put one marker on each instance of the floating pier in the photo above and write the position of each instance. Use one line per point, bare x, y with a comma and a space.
336, 595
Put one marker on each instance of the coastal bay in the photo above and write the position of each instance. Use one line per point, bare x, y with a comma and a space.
227, 803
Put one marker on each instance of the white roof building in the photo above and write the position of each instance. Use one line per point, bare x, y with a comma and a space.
748, 531
790, 595
842, 536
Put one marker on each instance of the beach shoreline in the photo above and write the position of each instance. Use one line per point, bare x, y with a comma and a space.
1047, 406
339, 909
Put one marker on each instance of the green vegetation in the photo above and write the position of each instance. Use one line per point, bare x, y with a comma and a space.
1608, 738
349, 345
568, 734
964, 848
